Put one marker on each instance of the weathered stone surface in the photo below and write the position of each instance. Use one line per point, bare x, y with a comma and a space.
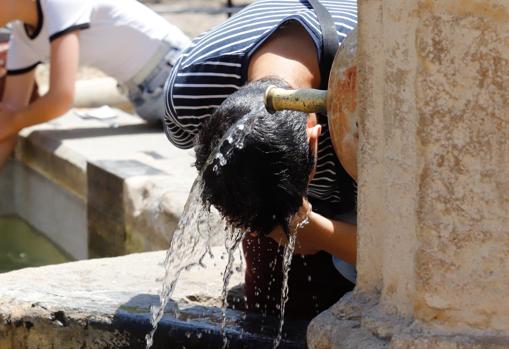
105, 303
51, 209
135, 211
7, 205
46, 155
75, 304
107, 211
433, 214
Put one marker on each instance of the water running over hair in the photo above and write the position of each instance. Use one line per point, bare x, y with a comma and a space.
233, 139
191, 241
189, 245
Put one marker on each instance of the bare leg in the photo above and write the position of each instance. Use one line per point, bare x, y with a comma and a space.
6, 148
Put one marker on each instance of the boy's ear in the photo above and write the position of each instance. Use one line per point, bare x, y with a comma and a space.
313, 133
312, 120
313, 130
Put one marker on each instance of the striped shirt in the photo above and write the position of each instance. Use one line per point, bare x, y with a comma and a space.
216, 63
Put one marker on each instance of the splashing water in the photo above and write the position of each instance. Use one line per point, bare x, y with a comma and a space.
233, 139
232, 242
190, 243
188, 248
287, 262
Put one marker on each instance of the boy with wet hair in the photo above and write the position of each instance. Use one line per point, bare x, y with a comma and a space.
269, 175
124, 39
286, 169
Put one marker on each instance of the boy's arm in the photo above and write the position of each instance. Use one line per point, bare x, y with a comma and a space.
64, 63
321, 234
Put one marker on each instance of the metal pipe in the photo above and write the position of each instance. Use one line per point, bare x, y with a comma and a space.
306, 100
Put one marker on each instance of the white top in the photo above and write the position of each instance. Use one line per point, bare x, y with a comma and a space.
117, 36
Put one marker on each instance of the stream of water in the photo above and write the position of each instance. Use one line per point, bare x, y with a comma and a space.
191, 241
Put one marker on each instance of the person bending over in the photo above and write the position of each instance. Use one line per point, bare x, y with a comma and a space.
287, 166
125, 39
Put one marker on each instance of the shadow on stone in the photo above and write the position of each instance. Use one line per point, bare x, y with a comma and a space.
193, 326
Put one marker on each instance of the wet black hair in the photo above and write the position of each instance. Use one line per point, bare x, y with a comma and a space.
262, 184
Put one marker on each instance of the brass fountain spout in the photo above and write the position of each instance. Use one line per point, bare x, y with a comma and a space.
339, 103
307, 100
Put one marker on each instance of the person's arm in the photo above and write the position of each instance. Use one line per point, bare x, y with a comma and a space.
321, 234
15, 97
64, 63
3, 58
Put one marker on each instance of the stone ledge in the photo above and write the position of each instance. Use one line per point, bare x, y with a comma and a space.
104, 303
144, 209
355, 322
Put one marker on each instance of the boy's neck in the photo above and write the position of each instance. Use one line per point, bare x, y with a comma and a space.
289, 54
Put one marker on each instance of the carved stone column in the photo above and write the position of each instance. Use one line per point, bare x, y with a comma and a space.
433, 180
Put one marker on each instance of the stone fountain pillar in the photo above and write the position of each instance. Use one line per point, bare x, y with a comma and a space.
433, 180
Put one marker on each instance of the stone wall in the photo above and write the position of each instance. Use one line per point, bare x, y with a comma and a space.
433, 177
98, 188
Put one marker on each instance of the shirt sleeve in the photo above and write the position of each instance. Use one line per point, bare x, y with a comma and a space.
64, 16
21, 58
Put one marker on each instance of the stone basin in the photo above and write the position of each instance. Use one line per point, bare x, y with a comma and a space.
105, 303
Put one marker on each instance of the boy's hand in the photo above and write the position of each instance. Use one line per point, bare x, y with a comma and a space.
305, 244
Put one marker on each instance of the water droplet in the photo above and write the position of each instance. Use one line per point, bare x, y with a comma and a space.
188, 334
309, 278
199, 335
221, 158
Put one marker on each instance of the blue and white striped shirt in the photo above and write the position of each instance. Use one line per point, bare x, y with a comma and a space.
215, 66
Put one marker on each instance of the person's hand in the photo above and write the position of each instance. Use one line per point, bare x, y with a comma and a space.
305, 243
3, 59
7, 122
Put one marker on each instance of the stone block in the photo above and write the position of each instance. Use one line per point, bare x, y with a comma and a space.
132, 207
433, 216
38, 151
51, 209
105, 303
7, 204
107, 213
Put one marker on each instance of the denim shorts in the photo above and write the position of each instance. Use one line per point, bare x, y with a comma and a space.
147, 97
